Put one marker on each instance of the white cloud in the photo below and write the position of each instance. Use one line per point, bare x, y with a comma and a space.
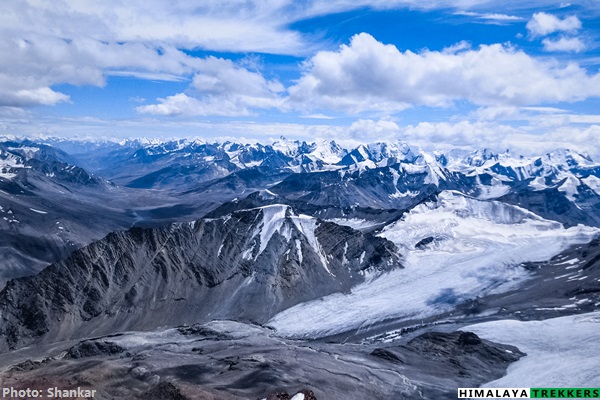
368, 75
48, 43
29, 97
542, 24
367, 129
182, 104
317, 116
494, 18
512, 113
80, 42
220, 77
234, 25
522, 140
222, 88
573, 45
36, 63
149, 76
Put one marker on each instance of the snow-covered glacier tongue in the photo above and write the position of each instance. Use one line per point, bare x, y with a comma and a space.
456, 248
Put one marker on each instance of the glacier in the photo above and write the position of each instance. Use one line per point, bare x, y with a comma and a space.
477, 249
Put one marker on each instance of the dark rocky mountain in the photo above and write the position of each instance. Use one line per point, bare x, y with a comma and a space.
266, 197
22, 160
553, 204
49, 207
248, 265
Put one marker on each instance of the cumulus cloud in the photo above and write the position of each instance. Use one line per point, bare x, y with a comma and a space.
368, 75
36, 63
368, 129
29, 97
543, 24
79, 42
573, 45
182, 104
525, 140
221, 88
220, 77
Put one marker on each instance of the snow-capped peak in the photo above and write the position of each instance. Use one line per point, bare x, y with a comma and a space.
566, 157
281, 219
327, 151
9, 162
286, 146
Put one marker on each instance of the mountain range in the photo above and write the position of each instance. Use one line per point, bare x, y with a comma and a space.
357, 249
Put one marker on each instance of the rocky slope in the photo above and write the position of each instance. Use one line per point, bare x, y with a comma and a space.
247, 265
230, 360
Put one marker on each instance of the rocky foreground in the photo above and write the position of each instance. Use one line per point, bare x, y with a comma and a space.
230, 360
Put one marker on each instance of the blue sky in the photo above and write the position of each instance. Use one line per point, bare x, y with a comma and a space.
434, 73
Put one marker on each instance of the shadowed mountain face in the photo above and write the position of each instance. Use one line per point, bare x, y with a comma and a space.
248, 265
50, 207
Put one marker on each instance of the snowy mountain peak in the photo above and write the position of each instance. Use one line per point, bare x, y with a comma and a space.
327, 151
398, 151
9, 163
286, 146
280, 219
567, 157
480, 157
273, 220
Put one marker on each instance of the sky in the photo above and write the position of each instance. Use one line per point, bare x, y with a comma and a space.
519, 75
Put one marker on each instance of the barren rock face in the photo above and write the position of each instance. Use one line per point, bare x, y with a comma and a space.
248, 265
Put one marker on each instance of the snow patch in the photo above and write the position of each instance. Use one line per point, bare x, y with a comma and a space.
561, 352
497, 189
593, 182
273, 220
307, 226
569, 187
299, 250
355, 223
266, 194
247, 254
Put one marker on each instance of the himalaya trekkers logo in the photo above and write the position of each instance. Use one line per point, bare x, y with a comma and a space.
529, 393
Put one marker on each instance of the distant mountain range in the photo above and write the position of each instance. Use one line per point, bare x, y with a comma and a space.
152, 182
